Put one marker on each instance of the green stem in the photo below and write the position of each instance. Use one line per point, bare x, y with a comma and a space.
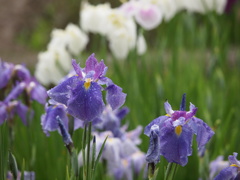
88, 151
83, 150
170, 172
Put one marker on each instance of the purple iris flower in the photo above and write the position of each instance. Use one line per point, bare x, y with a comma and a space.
50, 122
111, 120
6, 70
28, 175
82, 93
9, 108
171, 135
33, 89
232, 172
217, 165
22, 81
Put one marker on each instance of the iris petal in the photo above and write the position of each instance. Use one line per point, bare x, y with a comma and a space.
86, 104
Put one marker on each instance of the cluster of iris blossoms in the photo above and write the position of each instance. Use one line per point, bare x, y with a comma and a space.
171, 135
78, 100
18, 89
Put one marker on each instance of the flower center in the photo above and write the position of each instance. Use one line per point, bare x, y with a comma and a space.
234, 165
87, 83
178, 130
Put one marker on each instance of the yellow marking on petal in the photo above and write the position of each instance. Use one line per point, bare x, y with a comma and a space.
87, 83
168, 115
234, 165
178, 130
125, 162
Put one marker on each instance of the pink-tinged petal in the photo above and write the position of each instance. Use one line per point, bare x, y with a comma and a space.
91, 63
148, 16
86, 103
77, 69
168, 108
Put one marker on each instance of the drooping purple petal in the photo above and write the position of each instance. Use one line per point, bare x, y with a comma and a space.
91, 63
61, 93
77, 69
115, 97
22, 72
175, 148
38, 92
228, 173
65, 135
158, 121
49, 120
153, 153
86, 104
15, 92
202, 130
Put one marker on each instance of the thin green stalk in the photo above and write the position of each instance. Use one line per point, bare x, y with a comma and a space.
170, 172
83, 150
93, 154
88, 151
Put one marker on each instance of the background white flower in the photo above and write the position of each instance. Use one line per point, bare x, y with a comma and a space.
93, 18
52, 66
71, 38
